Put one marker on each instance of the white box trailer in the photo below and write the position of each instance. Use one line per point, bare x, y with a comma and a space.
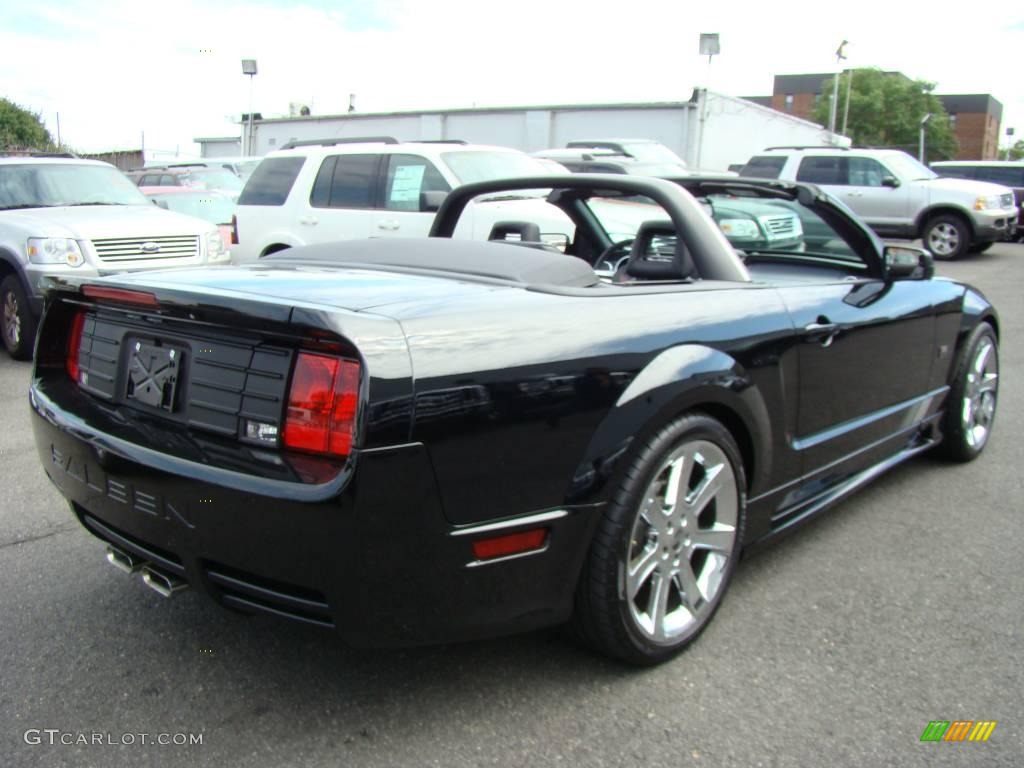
709, 131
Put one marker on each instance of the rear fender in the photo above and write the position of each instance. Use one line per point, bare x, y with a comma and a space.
680, 379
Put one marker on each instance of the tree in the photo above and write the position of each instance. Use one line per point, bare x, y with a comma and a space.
1016, 152
886, 110
20, 127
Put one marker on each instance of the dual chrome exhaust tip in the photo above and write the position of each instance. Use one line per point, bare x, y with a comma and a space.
164, 584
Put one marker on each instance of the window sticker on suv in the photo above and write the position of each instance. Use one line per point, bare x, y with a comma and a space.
406, 183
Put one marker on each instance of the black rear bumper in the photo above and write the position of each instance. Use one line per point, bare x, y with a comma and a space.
374, 559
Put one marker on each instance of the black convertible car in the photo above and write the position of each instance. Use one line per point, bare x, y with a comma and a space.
421, 440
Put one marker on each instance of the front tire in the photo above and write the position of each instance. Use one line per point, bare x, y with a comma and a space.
946, 237
17, 323
971, 409
666, 548
981, 247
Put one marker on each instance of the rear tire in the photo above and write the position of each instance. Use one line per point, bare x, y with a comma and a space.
980, 247
666, 548
971, 409
946, 236
17, 323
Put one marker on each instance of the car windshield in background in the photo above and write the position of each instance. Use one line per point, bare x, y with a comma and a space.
908, 168
245, 168
752, 225
654, 153
44, 185
487, 166
209, 206
214, 178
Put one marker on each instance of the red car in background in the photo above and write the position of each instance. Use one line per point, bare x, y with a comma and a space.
207, 204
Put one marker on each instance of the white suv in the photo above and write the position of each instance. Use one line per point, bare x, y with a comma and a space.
343, 189
899, 197
64, 216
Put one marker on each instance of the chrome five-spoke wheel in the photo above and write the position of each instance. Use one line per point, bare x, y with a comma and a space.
682, 539
667, 545
979, 397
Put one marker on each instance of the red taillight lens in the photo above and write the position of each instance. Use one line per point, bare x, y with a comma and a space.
74, 344
322, 404
120, 295
510, 544
234, 230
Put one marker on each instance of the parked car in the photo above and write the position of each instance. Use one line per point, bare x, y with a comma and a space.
602, 160
430, 439
1009, 173
242, 166
81, 217
898, 196
214, 207
193, 175
340, 189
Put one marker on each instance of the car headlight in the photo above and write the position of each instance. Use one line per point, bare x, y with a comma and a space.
741, 229
214, 245
990, 203
55, 250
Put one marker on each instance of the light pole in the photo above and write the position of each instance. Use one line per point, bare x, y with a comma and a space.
709, 46
920, 144
249, 68
835, 88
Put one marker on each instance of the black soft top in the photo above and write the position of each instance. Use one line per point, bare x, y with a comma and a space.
463, 258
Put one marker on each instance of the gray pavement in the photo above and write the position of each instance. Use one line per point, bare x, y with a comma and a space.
835, 647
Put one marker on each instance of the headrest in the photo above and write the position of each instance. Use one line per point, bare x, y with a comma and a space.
527, 231
658, 253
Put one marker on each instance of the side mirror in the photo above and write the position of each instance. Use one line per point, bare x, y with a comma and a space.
890, 181
906, 261
430, 202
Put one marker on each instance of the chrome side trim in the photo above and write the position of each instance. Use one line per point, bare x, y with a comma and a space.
519, 522
506, 558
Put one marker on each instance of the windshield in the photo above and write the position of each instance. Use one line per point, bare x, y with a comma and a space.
908, 169
214, 178
211, 207
45, 185
487, 166
654, 153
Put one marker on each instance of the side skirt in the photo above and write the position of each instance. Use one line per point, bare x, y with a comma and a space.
791, 517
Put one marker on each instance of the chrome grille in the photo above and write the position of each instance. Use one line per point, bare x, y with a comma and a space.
146, 248
1006, 201
779, 226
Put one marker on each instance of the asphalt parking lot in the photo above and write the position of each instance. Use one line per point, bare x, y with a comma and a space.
835, 647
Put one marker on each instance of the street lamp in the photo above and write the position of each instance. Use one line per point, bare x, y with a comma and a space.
709, 46
920, 144
840, 55
249, 68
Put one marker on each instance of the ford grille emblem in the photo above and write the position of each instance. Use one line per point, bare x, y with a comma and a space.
149, 247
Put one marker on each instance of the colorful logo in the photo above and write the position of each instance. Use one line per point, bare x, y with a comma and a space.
958, 730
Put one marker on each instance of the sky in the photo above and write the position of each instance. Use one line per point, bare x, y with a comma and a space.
171, 69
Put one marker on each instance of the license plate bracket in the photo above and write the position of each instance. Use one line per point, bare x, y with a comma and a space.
153, 374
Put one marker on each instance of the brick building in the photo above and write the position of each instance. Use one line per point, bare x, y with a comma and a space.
975, 117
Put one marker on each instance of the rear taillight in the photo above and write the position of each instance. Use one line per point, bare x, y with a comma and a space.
120, 295
234, 230
74, 345
322, 404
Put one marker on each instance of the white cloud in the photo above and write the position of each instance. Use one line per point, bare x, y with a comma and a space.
116, 70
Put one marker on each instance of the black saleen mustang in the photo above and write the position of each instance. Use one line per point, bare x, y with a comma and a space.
421, 440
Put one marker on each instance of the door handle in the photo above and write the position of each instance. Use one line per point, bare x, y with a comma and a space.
390, 225
310, 221
855, 194
822, 331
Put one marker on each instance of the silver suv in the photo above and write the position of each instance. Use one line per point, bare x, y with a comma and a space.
82, 217
898, 196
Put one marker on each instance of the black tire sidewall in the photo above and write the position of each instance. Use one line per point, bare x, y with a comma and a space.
23, 351
628, 643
